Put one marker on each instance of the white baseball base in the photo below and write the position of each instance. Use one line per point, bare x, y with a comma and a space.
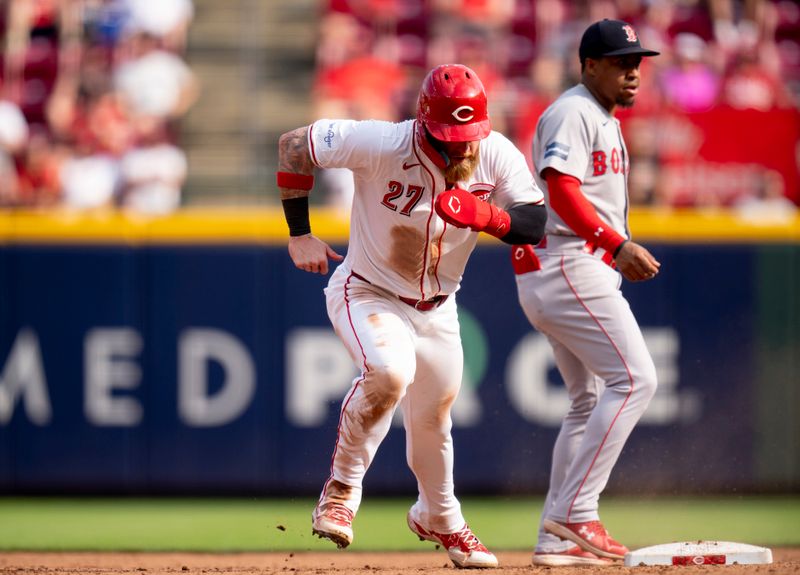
699, 553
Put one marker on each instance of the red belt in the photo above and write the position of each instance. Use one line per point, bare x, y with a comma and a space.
417, 304
424, 304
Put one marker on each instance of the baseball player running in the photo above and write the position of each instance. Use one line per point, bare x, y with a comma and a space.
568, 287
422, 189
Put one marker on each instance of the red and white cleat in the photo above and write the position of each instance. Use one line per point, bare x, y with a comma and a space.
590, 536
572, 556
463, 547
333, 521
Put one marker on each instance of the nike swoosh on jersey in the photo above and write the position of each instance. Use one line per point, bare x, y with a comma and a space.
408, 166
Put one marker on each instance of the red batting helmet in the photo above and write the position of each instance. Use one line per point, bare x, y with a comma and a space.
452, 104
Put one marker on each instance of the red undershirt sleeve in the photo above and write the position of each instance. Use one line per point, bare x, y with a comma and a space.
568, 201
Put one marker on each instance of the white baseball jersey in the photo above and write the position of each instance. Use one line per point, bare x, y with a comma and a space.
578, 137
396, 239
408, 356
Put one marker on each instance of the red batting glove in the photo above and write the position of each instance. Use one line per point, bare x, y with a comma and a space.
463, 210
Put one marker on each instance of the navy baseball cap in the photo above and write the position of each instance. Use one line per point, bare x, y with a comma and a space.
611, 38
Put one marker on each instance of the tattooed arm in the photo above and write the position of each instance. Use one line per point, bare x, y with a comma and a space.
295, 180
294, 158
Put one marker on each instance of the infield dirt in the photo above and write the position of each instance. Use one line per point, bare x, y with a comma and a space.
787, 561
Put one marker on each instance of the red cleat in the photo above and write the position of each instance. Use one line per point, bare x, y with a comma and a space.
572, 556
333, 521
590, 536
463, 547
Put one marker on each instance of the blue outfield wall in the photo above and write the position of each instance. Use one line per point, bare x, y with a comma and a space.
212, 369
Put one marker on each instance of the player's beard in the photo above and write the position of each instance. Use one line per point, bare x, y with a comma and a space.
462, 170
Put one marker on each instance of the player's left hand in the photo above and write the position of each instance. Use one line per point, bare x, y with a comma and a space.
309, 253
463, 210
457, 207
635, 263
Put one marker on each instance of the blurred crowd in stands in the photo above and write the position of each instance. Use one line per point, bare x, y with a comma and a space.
90, 91
724, 63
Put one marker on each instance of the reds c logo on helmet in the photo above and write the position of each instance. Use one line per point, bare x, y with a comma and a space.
464, 113
452, 104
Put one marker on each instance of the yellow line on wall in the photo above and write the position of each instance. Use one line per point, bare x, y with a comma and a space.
190, 226
267, 226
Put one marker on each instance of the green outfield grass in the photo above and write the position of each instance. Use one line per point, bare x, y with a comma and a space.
284, 524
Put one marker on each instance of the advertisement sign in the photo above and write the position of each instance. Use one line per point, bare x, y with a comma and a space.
213, 369
721, 157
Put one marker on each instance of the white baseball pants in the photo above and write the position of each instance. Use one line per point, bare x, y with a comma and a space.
408, 358
610, 377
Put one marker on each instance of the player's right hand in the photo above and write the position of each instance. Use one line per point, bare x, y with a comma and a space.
309, 253
635, 263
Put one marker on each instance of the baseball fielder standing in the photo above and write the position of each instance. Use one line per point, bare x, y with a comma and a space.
569, 286
422, 190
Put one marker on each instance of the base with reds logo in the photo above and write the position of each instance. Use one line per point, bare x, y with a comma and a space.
700, 553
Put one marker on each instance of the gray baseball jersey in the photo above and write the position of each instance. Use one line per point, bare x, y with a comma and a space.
573, 298
578, 137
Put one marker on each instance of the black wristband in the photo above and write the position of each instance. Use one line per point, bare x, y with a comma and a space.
619, 247
296, 212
